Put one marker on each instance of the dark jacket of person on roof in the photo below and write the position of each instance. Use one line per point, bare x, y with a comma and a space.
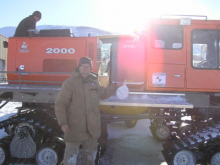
26, 24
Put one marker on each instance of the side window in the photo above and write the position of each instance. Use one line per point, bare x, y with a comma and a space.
167, 36
205, 48
199, 53
105, 59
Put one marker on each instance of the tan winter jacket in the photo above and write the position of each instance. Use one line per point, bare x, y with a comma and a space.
77, 106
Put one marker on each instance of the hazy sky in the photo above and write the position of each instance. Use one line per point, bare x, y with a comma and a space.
112, 15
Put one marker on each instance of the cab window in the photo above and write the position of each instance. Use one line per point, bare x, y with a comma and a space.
167, 36
205, 53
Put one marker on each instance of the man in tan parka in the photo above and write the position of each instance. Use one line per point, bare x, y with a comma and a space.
78, 114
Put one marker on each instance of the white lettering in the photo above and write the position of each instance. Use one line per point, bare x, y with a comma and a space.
58, 50
49, 50
64, 50
71, 50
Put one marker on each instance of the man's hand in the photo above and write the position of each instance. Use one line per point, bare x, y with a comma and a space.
119, 84
65, 128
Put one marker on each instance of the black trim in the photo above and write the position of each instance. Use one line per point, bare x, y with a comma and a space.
161, 25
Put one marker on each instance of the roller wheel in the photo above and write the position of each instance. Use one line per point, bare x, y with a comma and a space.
184, 157
215, 160
46, 156
131, 123
10, 129
184, 128
160, 133
4, 154
163, 132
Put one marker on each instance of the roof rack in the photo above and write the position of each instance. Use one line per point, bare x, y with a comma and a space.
171, 15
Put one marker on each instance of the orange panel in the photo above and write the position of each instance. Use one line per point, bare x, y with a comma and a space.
44, 54
162, 55
131, 61
166, 76
201, 79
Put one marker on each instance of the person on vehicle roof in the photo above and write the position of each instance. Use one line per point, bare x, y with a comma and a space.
27, 24
77, 112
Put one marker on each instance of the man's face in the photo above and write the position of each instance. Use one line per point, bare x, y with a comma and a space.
84, 70
36, 18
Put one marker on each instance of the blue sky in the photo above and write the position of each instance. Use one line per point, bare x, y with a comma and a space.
112, 15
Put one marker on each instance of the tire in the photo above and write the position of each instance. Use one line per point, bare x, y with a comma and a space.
185, 155
183, 128
215, 159
47, 156
51, 153
4, 155
131, 123
9, 129
161, 133
5, 149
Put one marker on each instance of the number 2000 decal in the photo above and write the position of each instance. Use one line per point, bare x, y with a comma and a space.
58, 50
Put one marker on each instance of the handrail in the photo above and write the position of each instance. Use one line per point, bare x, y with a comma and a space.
36, 72
173, 15
21, 81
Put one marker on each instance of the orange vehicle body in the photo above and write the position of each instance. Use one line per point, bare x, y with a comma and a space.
144, 61
56, 57
177, 64
172, 68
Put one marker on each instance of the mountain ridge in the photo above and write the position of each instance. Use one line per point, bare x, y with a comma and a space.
78, 31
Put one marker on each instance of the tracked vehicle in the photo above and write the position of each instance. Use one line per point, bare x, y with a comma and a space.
171, 71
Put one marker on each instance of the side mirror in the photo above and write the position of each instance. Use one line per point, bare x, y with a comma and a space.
5, 44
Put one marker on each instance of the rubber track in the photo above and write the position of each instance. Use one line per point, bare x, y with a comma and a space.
39, 119
18, 161
190, 141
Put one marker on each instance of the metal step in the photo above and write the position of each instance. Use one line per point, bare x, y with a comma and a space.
144, 99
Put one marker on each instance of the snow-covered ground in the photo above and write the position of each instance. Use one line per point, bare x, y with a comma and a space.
125, 146
132, 146
7, 111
